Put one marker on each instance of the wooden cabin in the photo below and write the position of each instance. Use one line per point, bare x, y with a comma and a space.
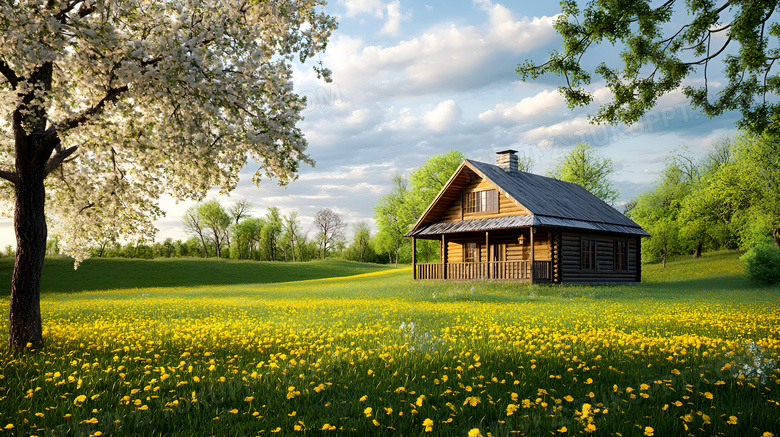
496, 222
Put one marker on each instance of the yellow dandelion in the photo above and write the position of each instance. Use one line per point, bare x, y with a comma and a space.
563, 430
732, 420
475, 433
649, 431
368, 411
249, 398
428, 424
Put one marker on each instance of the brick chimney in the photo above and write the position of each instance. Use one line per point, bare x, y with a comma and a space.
507, 160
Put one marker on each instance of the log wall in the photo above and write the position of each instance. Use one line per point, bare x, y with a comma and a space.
570, 263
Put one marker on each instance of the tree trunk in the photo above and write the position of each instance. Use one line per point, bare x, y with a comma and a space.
774, 237
25, 325
697, 251
664, 259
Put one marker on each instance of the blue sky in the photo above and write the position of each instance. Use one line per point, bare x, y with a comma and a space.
415, 79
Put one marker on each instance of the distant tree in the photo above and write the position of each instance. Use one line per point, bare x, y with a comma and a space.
361, 239
583, 165
291, 227
661, 45
216, 221
237, 211
525, 163
271, 233
329, 226
394, 213
426, 181
193, 224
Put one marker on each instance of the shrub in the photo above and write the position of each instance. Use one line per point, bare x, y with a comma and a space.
763, 263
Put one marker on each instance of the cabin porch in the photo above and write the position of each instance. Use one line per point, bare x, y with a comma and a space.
531, 271
520, 254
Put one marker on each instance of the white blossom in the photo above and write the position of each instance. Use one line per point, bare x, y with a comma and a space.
201, 86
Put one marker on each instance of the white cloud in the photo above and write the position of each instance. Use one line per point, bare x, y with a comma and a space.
446, 116
357, 7
445, 57
529, 107
394, 17
380, 10
547, 136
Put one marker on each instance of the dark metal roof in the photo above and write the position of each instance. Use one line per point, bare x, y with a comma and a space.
552, 197
484, 224
519, 221
550, 201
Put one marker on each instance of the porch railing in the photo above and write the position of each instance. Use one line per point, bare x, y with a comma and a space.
512, 270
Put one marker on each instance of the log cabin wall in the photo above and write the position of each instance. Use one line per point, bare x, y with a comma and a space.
571, 268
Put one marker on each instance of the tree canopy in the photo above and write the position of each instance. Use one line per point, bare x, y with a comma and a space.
583, 165
108, 105
669, 46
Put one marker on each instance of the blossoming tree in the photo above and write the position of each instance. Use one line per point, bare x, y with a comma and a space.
109, 104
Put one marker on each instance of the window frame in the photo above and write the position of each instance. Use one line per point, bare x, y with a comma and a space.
480, 202
620, 255
589, 253
471, 252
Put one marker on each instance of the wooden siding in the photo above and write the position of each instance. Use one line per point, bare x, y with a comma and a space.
570, 263
506, 206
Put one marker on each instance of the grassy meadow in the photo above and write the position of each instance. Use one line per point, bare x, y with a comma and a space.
693, 350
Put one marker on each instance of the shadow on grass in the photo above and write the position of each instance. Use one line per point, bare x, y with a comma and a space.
115, 273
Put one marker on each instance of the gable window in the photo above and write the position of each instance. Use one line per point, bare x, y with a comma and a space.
588, 259
471, 254
621, 255
480, 201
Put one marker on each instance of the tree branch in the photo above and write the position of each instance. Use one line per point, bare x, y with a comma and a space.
57, 159
8, 73
10, 176
112, 95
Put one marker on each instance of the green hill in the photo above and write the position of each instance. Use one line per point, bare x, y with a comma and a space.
112, 273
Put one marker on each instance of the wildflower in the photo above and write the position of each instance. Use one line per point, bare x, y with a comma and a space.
563, 430
475, 433
375, 422
732, 420
363, 399
428, 424
649, 431
568, 398
510, 409
249, 398
708, 395
79, 399
472, 400
368, 411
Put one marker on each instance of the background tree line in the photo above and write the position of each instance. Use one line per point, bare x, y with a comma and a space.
231, 232
726, 199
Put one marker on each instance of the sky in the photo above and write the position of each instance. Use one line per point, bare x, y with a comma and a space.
413, 79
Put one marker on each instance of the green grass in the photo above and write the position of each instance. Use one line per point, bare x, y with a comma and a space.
107, 273
681, 353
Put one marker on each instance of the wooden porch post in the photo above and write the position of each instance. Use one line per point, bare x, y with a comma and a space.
532, 254
443, 257
414, 258
487, 254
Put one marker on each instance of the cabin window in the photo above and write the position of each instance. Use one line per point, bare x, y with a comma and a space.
480, 201
471, 254
588, 260
621, 255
